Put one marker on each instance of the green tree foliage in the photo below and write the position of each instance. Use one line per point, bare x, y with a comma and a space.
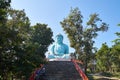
19, 26
104, 58
13, 40
22, 47
116, 53
118, 24
41, 35
118, 35
81, 37
4, 6
108, 59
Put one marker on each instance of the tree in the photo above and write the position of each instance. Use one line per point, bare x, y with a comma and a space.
118, 35
41, 35
35, 49
115, 57
108, 58
81, 38
20, 53
30, 44
4, 6
23, 46
115, 52
14, 34
104, 58
19, 27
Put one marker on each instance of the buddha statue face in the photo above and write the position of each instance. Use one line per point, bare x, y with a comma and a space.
59, 39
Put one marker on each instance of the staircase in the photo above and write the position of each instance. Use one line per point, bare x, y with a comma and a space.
61, 70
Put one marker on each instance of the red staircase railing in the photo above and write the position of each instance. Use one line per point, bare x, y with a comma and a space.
32, 77
81, 73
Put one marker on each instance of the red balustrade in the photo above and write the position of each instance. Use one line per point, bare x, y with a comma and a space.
32, 77
82, 74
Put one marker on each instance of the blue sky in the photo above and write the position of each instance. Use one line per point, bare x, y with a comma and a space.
51, 12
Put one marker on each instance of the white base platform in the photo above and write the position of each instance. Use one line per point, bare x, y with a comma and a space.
59, 59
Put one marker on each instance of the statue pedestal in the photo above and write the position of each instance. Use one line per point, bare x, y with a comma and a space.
59, 59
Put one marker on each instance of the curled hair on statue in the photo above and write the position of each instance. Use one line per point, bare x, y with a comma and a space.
59, 35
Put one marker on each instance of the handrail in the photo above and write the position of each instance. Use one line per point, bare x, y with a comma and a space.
32, 77
81, 73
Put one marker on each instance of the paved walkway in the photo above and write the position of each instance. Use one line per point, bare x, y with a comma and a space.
100, 77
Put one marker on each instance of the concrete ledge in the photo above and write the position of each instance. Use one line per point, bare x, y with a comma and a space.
59, 59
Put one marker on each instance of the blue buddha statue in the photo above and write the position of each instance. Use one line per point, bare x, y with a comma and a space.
59, 49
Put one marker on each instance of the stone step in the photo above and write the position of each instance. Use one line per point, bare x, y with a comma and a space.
61, 70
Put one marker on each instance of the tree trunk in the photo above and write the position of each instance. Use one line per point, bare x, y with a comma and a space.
85, 68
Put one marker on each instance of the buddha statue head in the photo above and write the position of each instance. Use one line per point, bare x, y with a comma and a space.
59, 39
